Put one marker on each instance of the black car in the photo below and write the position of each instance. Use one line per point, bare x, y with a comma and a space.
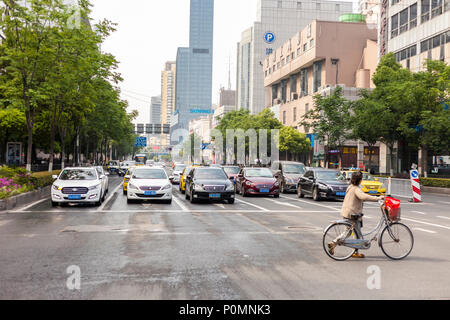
288, 174
209, 184
322, 184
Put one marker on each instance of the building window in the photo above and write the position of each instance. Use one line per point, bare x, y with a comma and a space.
305, 47
338, 7
306, 108
311, 43
293, 83
425, 11
295, 114
299, 52
394, 26
436, 8
283, 62
288, 58
404, 20
394, 2
317, 6
413, 16
304, 82
317, 75
284, 117
292, 55
278, 65
299, 5
280, 4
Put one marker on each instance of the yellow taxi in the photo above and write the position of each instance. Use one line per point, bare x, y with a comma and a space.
186, 171
126, 178
369, 184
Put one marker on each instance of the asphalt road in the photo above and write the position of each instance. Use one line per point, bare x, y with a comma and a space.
258, 248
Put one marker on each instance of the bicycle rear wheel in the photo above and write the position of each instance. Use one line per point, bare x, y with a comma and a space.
342, 231
397, 241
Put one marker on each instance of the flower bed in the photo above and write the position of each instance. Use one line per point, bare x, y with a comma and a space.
15, 181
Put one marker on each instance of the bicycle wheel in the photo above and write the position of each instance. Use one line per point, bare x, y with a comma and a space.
397, 243
342, 231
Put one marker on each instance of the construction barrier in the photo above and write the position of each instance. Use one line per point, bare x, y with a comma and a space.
399, 187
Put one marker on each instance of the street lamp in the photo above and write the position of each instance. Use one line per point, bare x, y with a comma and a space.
335, 62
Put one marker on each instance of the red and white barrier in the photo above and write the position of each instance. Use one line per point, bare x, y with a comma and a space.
415, 185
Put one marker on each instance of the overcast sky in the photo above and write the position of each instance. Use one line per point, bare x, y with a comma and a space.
149, 33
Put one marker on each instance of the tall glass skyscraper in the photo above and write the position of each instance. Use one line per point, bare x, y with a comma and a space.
193, 92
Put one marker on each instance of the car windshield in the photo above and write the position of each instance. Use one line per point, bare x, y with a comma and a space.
330, 175
128, 164
149, 174
232, 170
78, 174
258, 173
210, 174
368, 177
294, 168
179, 168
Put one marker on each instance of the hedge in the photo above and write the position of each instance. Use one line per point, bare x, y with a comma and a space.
435, 182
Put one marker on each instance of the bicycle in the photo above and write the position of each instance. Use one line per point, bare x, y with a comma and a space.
348, 237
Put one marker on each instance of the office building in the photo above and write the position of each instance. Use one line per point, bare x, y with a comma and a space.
322, 56
193, 93
371, 10
276, 22
168, 82
155, 110
415, 30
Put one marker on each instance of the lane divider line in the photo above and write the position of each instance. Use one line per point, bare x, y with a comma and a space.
109, 197
313, 203
424, 230
446, 218
426, 223
30, 205
179, 203
422, 213
253, 205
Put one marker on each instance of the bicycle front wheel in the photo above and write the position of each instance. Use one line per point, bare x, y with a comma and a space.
396, 241
338, 231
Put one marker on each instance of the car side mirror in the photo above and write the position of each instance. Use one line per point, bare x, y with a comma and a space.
106, 173
54, 177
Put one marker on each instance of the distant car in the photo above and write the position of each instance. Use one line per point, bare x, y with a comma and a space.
149, 184
176, 173
124, 166
149, 163
208, 183
369, 184
257, 181
322, 184
442, 169
113, 166
78, 185
232, 171
287, 174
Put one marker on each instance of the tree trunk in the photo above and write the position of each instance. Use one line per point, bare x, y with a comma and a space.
370, 158
391, 151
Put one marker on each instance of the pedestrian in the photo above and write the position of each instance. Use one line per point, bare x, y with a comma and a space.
353, 206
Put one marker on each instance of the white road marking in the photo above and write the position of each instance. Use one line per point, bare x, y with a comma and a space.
30, 205
283, 203
446, 218
422, 213
2, 223
109, 198
313, 203
426, 223
220, 205
177, 211
253, 205
444, 202
424, 230
179, 203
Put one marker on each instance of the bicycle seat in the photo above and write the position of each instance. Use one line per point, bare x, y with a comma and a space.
357, 216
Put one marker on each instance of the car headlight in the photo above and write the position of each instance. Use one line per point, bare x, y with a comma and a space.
249, 183
323, 187
167, 187
55, 187
198, 187
132, 186
94, 187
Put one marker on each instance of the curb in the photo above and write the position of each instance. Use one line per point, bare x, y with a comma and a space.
24, 199
436, 190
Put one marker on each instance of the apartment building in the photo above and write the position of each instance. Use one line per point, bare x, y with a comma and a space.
317, 59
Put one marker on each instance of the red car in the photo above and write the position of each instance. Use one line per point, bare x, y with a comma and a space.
257, 181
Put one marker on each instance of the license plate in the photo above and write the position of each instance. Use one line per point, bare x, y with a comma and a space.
373, 192
214, 195
340, 194
150, 193
74, 197
264, 190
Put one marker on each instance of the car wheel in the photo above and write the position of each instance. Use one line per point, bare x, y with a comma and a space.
316, 196
276, 196
186, 195
130, 201
169, 201
54, 204
231, 201
192, 197
244, 194
299, 192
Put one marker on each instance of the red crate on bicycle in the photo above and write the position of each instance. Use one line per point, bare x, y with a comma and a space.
392, 208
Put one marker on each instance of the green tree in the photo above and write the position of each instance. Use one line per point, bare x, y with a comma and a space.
330, 120
293, 141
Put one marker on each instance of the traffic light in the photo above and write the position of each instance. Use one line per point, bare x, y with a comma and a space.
140, 129
157, 129
166, 129
149, 129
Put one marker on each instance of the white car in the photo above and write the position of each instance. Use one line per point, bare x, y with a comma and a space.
104, 177
78, 185
176, 174
149, 184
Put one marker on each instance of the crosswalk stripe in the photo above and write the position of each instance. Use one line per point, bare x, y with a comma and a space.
253, 205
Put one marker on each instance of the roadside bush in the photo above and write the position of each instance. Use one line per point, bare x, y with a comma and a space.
434, 182
43, 179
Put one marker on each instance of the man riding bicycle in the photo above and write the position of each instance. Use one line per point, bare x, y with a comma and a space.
352, 209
